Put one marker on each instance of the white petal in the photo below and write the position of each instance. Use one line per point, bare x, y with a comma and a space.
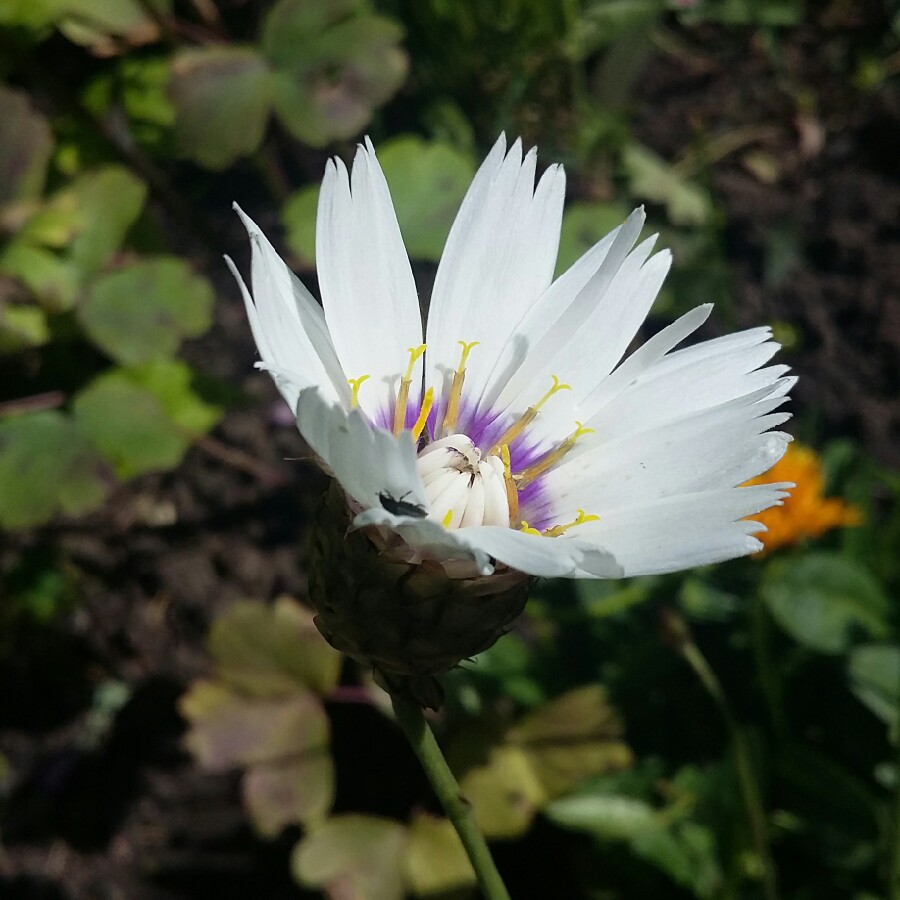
681, 532
287, 323
498, 260
532, 554
368, 462
367, 285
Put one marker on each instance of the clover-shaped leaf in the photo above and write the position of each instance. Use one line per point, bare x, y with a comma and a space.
47, 466
143, 311
270, 650
651, 178
353, 857
143, 420
108, 27
222, 98
26, 143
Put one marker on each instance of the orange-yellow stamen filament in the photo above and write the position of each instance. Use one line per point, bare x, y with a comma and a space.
355, 384
459, 376
448, 518
549, 460
528, 416
528, 529
403, 394
512, 493
580, 519
427, 402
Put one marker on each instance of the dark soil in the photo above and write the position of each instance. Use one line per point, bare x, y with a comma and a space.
127, 815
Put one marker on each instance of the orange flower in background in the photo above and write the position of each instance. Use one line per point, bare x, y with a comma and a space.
806, 513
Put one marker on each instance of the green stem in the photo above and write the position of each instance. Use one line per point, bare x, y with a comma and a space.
743, 760
893, 873
458, 809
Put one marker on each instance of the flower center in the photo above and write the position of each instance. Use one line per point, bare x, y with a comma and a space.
463, 488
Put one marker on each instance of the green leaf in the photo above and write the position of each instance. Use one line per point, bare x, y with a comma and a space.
222, 97
22, 326
142, 420
353, 856
874, 671
583, 225
46, 466
270, 650
292, 28
299, 217
109, 200
143, 311
170, 382
109, 27
229, 729
435, 860
653, 179
333, 66
607, 816
26, 143
826, 602
52, 280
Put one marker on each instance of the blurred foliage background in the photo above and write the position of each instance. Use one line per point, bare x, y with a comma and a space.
171, 724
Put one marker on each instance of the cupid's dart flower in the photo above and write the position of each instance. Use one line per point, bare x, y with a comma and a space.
512, 439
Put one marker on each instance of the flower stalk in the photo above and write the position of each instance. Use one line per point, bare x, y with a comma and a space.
459, 810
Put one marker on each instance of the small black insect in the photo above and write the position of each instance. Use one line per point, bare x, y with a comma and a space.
401, 507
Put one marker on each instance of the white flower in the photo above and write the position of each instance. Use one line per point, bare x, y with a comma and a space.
517, 431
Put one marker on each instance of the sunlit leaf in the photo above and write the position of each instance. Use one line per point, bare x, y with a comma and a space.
222, 97
505, 792
299, 216
270, 650
353, 857
47, 466
297, 790
228, 729
26, 143
574, 736
651, 178
22, 326
874, 671
109, 200
826, 602
143, 311
142, 420
435, 860
607, 816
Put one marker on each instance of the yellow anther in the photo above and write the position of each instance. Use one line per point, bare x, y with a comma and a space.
448, 518
548, 460
427, 401
525, 527
403, 393
557, 387
355, 384
528, 416
459, 377
512, 492
580, 519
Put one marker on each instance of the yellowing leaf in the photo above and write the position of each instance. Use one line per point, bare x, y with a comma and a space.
353, 857
282, 794
435, 860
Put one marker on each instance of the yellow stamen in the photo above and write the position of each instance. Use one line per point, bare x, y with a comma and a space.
355, 384
528, 416
526, 476
459, 376
512, 494
528, 529
448, 518
427, 402
403, 394
580, 519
